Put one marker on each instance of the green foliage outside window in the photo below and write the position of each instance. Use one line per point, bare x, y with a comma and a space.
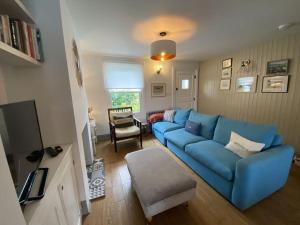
125, 99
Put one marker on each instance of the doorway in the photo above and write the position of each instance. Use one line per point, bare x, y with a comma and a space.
185, 88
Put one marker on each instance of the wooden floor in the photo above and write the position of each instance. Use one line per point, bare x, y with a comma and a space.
121, 206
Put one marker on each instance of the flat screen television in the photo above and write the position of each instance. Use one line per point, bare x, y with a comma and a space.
20, 133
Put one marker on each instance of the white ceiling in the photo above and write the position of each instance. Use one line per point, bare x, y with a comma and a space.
201, 28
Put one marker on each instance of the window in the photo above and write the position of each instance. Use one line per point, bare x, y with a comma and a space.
184, 84
126, 97
124, 82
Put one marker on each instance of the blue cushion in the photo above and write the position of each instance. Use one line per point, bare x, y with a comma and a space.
277, 140
208, 123
165, 126
193, 127
215, 157
181, 116
254, 132
181, 137
221, 185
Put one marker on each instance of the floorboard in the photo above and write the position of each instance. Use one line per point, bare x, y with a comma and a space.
120, 206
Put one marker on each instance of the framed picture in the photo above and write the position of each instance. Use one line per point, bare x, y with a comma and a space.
77, 64
275, 84
226, 63
246, 84
225, 84
226, 73
158, 89
278, 67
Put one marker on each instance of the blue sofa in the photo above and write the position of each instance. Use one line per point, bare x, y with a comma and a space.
242, 181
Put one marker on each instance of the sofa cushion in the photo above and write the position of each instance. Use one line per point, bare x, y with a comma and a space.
181, 137
254, 132
169, 115
215, 157
181, 116
165, 126
208, 123
277, 140
193, 127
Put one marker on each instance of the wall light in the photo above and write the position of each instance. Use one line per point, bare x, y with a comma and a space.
158, 69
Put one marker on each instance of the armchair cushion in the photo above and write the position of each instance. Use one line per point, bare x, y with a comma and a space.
127, 131
122, 119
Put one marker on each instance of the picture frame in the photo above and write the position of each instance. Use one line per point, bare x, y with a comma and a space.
246, 84
158, 89
226, 63
226, 73
278, 67
275, 84
225, 84
79, 77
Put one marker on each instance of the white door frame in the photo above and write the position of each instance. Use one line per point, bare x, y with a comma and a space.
196, 78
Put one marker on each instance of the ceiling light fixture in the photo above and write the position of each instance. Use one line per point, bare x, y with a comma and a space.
162, 50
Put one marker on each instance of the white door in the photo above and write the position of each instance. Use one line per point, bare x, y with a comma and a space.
185, 89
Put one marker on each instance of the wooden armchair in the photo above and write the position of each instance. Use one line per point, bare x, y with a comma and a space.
123, 125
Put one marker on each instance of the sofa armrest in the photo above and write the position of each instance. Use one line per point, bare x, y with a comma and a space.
260, 175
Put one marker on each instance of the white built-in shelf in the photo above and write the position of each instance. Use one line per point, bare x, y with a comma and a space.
15, 57
16, 9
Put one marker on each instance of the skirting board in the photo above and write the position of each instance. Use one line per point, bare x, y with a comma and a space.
85, 207
103, 137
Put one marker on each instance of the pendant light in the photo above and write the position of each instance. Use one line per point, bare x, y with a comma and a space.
162, 50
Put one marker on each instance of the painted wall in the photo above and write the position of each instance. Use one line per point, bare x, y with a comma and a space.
3, 97
279, 108
79, 101
99, 100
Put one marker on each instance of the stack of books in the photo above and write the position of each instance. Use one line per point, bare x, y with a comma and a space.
22, 36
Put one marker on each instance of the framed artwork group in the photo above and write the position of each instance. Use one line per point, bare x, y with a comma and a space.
226, 74
276, 79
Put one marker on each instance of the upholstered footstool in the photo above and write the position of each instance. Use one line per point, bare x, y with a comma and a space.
160, 183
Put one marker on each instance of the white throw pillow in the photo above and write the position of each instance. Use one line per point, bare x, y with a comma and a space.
242, 146
169, 115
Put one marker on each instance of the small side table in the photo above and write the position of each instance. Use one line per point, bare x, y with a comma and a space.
145, 128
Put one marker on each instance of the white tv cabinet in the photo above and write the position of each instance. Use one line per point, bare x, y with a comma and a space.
60, 205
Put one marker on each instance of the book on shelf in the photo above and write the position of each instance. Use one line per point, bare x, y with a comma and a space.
21, 36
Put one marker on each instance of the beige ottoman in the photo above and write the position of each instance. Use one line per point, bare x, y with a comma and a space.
160, 183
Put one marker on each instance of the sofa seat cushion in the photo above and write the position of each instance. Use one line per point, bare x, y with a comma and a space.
215, 157
261, 133
181, 137
166, 126
127, 131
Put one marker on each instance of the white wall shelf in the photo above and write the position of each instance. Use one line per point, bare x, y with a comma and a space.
16, 9
15, 57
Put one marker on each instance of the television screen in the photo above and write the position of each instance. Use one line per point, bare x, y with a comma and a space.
20, 133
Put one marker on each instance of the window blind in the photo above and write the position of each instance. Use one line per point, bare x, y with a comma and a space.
123, 76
